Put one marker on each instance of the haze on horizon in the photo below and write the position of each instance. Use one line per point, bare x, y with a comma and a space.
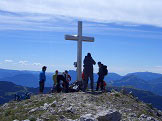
128, 34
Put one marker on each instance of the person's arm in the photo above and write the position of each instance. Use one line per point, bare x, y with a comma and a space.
99, 72
40, 76
94, 63
84, 61
69, 77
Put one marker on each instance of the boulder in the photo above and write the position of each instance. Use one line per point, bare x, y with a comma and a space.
87, 117
110, 115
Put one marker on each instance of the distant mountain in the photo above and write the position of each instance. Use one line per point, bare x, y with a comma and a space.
112, 77
147, 76
156, 81
136, 82
31, 78
131, 80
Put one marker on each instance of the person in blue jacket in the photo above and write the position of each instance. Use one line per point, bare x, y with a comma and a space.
42, 79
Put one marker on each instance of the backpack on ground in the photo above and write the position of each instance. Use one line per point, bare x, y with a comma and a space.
105, 70
75, 86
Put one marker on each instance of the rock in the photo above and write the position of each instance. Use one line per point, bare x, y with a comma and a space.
110, 115
87, 117
151, 119
143, 116
46, 115
53, 104
33, 110
71, 109
5, 105
132, 115
46, 106
26, 120
147, 118
39, 119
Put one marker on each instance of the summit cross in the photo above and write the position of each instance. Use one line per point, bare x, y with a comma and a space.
79, 38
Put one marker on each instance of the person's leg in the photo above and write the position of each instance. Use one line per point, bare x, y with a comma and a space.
98, 83
58, 84
92, 80
67, 87
85, 84
66, 84
102, 83
40, 87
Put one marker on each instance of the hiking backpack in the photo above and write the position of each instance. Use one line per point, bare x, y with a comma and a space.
105, 71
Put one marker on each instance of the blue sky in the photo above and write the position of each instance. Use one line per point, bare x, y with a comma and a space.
128, 35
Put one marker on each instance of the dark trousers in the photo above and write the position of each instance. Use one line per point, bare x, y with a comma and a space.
59, 79
41, 86
86, 78
100, 82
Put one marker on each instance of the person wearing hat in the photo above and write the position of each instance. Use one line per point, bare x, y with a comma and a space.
42, 79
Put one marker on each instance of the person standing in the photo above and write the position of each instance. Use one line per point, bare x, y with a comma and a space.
88, 71
54, 81
42, 79
67, 77
101, 74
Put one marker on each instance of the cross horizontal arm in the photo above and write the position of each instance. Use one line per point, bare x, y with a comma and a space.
71, 37
74, 37
87, 39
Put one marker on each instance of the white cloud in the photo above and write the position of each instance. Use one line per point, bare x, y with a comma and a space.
41, 12
37, 64
8, 61
23, 62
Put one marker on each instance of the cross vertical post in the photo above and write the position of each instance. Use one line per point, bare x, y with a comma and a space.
79, 38
79, 52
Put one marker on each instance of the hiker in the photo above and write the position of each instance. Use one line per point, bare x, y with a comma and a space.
42, 79
67, 77
101, 74
58, 85
88, 71
54, 81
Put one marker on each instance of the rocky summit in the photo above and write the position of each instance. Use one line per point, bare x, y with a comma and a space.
80, 106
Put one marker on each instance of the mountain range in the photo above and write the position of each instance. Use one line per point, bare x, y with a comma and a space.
141, 80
